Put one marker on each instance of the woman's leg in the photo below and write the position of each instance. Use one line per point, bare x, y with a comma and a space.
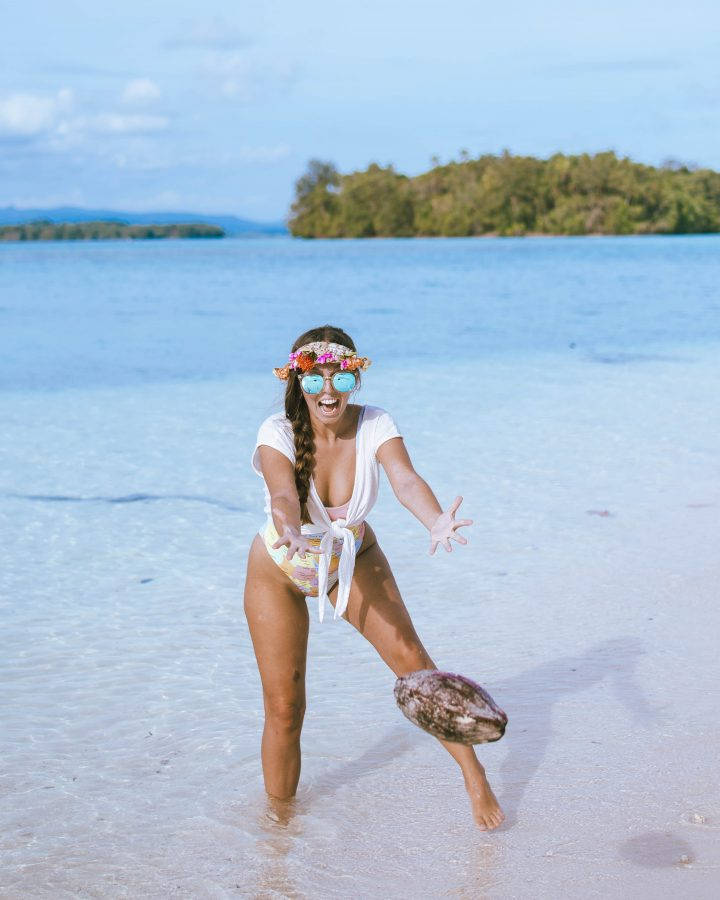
278, 619
376, 609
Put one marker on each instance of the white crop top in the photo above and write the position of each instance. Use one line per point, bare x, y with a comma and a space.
375, 426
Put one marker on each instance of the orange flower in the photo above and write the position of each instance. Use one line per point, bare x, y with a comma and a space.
357, 362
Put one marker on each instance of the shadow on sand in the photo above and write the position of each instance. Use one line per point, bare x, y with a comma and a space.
531, 695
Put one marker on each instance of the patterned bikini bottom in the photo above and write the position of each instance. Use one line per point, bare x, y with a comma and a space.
304, 572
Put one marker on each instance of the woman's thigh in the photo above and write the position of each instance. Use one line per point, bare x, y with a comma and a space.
376, 608
278, 620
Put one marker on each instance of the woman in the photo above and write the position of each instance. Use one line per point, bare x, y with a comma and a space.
316, 542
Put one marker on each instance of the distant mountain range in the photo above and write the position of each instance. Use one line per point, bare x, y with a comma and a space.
232, 225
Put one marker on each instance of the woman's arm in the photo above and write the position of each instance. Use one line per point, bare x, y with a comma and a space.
411, 490
279, 476
415, 495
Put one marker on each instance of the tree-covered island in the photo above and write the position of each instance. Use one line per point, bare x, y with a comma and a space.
508, 195
100, 231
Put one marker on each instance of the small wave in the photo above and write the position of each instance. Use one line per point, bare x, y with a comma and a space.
127, 498
614, 359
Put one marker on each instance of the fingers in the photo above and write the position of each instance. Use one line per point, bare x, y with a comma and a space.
446, 545
303, 551
459, 538
433, 547
463, 522
454, 508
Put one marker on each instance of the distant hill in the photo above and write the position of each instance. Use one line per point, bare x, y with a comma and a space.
231, 225
508, 195
44, 230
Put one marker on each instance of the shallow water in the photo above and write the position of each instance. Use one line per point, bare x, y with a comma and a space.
126, 313
586, 601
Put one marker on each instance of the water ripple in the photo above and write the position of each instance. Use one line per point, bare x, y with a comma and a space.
128, 498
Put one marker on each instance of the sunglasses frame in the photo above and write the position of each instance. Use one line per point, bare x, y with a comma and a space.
332, 379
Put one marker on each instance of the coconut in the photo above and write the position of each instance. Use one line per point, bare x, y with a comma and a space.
451, 707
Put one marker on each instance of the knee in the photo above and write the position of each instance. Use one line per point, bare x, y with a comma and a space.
285, 713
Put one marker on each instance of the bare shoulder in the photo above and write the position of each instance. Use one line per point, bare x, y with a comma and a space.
277, 470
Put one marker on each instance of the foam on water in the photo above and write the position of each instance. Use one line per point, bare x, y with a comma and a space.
585, 602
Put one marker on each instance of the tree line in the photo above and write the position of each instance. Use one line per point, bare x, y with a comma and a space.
97, 231
508, 195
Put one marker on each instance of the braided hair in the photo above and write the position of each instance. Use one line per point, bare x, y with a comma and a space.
296, 411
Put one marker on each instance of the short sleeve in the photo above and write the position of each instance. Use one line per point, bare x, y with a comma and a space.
385, 429
276, 433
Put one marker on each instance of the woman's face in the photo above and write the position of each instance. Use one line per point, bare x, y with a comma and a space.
330, 404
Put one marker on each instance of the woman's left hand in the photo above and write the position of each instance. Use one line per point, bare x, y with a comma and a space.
446, 526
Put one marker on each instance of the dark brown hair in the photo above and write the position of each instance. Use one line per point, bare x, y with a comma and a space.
297, 412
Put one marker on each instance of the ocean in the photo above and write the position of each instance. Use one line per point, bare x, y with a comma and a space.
565, 387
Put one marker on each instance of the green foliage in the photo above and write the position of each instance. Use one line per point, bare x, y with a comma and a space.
315, 210
43, 230
508, 195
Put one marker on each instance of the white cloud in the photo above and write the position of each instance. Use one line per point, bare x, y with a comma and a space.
29, 115
140, 91
54, 120
116, 123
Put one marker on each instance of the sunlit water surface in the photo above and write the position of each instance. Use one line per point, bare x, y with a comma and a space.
566, 388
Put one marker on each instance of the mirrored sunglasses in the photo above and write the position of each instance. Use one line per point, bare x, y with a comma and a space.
341, 381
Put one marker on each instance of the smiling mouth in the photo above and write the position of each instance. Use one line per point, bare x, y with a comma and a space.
328, 405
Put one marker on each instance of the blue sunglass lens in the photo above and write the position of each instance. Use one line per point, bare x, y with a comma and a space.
311, 384
343, 381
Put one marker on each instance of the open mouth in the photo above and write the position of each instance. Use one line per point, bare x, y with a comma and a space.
328, 405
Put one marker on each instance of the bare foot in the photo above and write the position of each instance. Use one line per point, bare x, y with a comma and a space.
486, 809
279, 811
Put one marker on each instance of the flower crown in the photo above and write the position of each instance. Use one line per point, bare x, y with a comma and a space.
319, 352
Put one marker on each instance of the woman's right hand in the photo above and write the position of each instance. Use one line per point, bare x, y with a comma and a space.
296, 542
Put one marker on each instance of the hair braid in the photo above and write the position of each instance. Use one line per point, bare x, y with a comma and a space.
297, 413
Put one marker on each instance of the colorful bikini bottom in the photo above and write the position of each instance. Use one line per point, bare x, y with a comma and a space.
304, 572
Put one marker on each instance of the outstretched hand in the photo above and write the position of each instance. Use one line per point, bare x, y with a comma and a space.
446, 526
296, 542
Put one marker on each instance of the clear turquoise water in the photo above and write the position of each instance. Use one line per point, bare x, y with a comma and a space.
566, 388
130, 313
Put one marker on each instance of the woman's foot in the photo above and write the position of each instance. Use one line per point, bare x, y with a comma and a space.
486, 809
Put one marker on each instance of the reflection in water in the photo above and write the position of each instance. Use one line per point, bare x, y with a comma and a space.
279, 830
279, 821
482, 864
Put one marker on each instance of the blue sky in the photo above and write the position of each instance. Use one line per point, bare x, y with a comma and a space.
217, 107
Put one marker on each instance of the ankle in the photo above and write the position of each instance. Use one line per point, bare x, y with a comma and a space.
474, 772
